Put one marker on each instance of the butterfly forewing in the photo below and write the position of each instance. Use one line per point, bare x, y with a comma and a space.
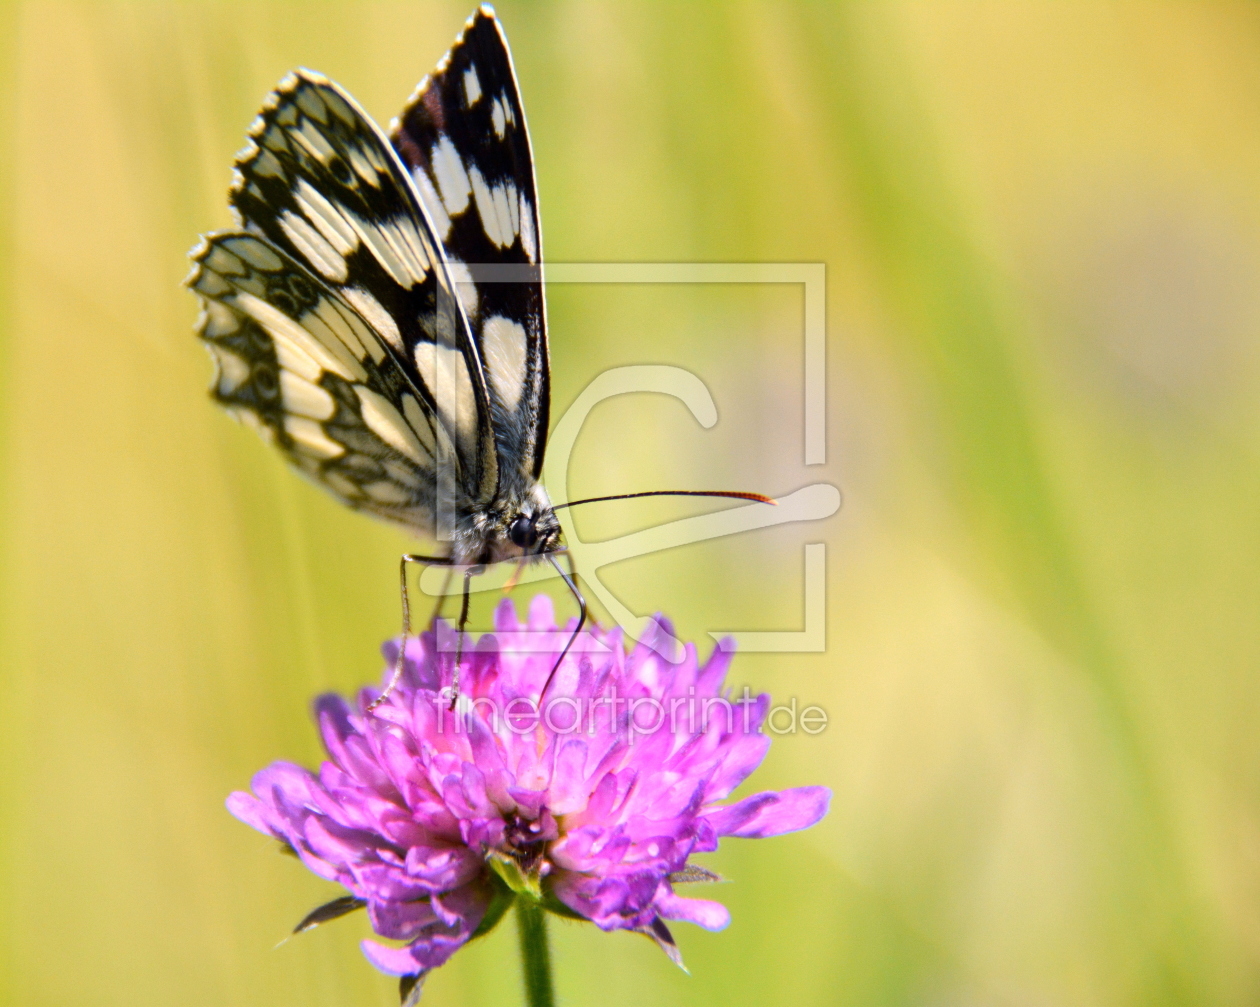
301, 364
463, 136
321, 185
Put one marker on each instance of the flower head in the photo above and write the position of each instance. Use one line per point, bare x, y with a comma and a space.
589, 799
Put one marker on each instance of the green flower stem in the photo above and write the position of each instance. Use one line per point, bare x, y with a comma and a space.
531, 926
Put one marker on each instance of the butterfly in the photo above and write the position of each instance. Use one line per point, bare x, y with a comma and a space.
378, 313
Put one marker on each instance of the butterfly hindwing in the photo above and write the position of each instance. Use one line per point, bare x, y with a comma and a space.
299, 363
320, 183
463, 137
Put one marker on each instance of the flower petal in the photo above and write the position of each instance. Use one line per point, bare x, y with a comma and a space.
741, 757
399, 920
456, 918
391, 961
771, 813
702, 912
250, 810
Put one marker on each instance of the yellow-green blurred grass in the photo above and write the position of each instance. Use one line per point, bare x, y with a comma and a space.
1041, 231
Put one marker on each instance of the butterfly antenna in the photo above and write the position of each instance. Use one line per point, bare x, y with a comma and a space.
551, 557
728, 494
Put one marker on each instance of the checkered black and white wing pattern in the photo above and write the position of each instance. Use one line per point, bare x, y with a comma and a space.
463, 136
299, 363
334, 319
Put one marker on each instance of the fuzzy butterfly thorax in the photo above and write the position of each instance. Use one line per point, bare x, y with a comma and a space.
525, 525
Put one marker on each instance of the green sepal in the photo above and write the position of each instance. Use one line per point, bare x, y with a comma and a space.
410, 988
329, 911
500, 901
512, 875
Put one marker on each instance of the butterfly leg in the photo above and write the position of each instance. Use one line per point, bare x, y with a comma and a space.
471, 572
570, 581
406, 613
437, 609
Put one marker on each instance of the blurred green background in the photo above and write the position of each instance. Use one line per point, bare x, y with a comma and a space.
1042, 237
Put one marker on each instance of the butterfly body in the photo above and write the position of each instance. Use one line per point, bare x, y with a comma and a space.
378, 312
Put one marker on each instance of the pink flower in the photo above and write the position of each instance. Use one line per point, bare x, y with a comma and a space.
590, 801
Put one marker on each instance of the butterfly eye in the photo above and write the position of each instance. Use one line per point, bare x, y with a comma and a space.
523, 533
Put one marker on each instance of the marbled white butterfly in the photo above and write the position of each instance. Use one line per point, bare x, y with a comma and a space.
378, 313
